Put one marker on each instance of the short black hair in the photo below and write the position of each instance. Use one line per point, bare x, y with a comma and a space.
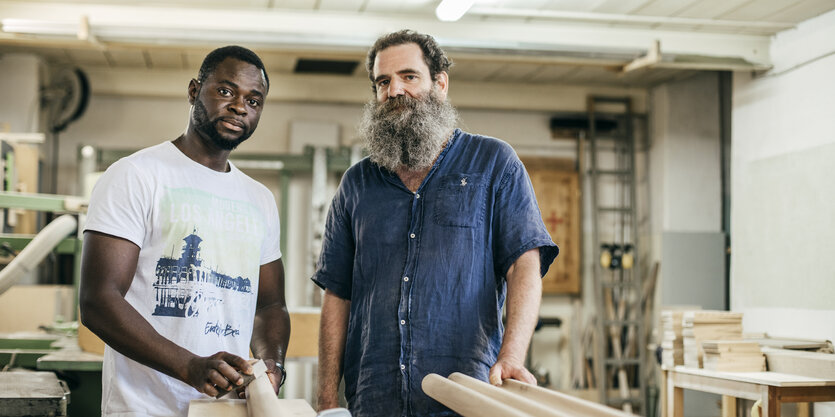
433, 55
232, 51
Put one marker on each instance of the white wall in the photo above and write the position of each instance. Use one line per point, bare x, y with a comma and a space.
782, 217
687, 192
686, 142
782, 191
20, 83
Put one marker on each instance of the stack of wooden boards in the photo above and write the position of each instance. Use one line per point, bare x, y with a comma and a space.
708, 339
733, 356
698, 326
672, 343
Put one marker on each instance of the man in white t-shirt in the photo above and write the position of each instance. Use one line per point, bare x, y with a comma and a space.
181, 270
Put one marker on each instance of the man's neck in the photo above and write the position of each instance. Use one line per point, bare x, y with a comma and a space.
412, 179
204, 154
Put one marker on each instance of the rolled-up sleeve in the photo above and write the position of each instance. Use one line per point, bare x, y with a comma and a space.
517, 222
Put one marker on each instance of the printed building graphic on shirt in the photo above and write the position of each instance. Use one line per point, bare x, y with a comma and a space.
184, 286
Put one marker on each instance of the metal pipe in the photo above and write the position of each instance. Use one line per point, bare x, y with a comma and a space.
36, 250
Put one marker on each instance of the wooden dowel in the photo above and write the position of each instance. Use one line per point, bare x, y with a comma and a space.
261, 400
508, 397
466, 401
563, 402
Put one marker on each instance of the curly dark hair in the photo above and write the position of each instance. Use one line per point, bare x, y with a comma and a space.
232, 51
433, 55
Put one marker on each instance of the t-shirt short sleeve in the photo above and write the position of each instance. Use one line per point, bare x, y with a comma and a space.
336, 262
120, 203
517, 222
271, 246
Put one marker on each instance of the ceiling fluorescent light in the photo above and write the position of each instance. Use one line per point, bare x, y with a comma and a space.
452, 10
39, 27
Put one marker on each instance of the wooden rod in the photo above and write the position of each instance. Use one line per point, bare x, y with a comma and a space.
516, 401
560, 401
261, 400
466, 401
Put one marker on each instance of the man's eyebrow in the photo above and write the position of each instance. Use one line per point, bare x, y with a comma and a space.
230, 83
401, 72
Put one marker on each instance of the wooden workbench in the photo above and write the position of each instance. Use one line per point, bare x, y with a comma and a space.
771, 388
237, 408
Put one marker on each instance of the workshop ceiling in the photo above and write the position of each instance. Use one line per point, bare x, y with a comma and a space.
603, 42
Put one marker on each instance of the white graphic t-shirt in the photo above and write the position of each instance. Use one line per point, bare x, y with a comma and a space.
203, 236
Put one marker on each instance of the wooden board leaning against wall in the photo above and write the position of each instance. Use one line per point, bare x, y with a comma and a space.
555, 182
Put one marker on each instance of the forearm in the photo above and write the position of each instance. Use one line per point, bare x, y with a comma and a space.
524, 292
271, 332
119, 325
333, 331
522, 315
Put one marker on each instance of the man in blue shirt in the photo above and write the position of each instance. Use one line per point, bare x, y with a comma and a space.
423, 240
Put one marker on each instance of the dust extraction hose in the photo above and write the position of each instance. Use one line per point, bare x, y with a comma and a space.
40, 246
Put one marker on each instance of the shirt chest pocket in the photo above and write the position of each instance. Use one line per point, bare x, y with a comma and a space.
461, 200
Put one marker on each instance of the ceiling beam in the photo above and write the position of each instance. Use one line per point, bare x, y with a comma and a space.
357, 90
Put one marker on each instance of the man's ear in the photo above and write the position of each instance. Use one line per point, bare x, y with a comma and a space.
442, 79
193, 89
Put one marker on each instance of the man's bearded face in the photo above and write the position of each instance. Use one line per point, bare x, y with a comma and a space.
407, 132
208, 127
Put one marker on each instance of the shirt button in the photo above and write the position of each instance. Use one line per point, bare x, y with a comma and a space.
417, 195
402, 366
402, 321
406, 279
412, 235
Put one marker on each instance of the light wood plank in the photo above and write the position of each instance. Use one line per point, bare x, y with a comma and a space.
127, 58
516, 72
675, 399
664, 8
728, 406
811, 364
86, 57
754, 11
803, 410
801, 11
160, 58
775, 379
710, 9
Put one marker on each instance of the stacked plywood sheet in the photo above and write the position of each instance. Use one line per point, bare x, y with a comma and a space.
733, 356
672, 343
698, 326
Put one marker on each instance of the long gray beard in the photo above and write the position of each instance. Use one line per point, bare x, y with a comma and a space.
407, 132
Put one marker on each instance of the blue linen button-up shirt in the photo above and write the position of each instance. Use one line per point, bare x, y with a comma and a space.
425, 271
